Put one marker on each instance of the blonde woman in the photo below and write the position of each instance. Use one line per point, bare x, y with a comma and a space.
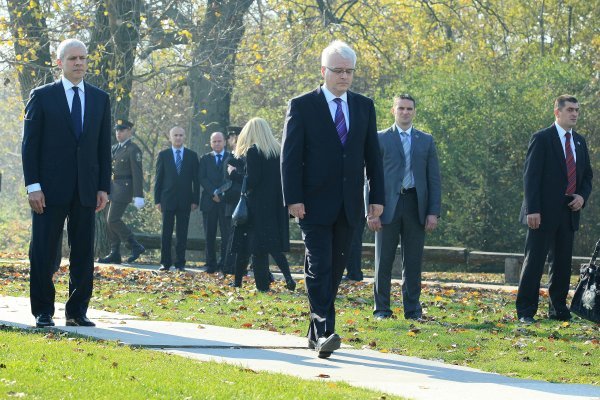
267, 231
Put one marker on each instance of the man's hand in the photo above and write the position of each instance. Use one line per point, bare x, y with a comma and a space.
194, 206
431, 223
375, 210
230, 168
37, 201
216, 198
138, 202
577, 203
158, 207
534, 220
101, 200
374, 223
297, 210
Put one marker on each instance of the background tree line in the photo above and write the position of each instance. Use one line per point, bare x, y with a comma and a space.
484, 73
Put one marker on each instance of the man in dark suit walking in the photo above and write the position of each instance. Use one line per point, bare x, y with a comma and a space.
212, 202
558, 182
127, 185
176, 194
66, 165
413, 197
329, 138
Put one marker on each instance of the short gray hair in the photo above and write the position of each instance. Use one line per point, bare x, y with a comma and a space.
68, 44
338, 47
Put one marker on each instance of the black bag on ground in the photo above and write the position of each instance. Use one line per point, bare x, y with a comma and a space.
586, 300
240, 214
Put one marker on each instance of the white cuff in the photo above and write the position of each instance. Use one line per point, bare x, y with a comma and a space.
138, 202
34, 187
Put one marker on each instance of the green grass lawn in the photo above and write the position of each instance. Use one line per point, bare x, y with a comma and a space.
475, 328
50, 365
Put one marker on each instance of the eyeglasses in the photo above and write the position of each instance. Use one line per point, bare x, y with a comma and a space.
340, 71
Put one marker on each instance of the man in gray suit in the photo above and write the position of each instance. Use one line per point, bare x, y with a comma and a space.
413, 202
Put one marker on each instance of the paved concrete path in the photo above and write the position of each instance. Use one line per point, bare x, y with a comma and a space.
269, 351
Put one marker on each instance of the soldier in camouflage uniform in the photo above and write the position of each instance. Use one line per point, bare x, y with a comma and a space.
127, 180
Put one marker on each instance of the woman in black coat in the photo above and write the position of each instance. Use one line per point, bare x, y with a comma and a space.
267, 230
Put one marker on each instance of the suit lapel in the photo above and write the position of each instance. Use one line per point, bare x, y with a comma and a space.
414, 141
323, 113
89, 105
63, 104
558, 149
579, 153
395, 137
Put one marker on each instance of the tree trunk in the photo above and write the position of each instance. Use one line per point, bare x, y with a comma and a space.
31, 44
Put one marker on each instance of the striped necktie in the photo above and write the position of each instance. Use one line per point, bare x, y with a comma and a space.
571, 170
178, 161
340, 121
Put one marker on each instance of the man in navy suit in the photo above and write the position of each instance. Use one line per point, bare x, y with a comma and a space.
413, 196
212, 202
176, 194
66, 165
329, 138
558, 182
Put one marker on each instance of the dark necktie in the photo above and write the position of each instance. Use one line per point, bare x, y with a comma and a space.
219, 160
571, 175
340, 122
178, 161
76, 113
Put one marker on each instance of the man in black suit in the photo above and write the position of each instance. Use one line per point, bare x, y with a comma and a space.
329, 137
176, 194
212, 202
66, 165
558, 182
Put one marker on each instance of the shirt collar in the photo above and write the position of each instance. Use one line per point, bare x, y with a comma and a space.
330, 96
222, 153
67, 84
561, 131
123, 143
408, 131
175, 149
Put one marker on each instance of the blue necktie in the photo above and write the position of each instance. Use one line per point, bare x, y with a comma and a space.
76, 113
178, 161
219, 160
340, 121
407, 180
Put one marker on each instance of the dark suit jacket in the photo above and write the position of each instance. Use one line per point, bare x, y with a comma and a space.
176, 191
545, 177
211, 178
425, 167
321, 173
52, 155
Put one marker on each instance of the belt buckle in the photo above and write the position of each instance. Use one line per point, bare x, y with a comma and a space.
402, 190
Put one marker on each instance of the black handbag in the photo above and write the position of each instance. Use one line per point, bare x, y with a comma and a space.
586, 300
240, 214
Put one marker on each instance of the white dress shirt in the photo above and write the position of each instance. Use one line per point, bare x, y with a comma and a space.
562, 136
329, 97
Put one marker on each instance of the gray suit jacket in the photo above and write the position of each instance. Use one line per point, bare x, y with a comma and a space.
425, 167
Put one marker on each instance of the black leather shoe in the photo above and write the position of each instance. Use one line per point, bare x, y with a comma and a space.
527, 320
180, 268
381, 316
164, 268
312, 344
560, 317
43, 321
79, 321
290, 284
136, 250
327, 345
211, 269
112, 258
